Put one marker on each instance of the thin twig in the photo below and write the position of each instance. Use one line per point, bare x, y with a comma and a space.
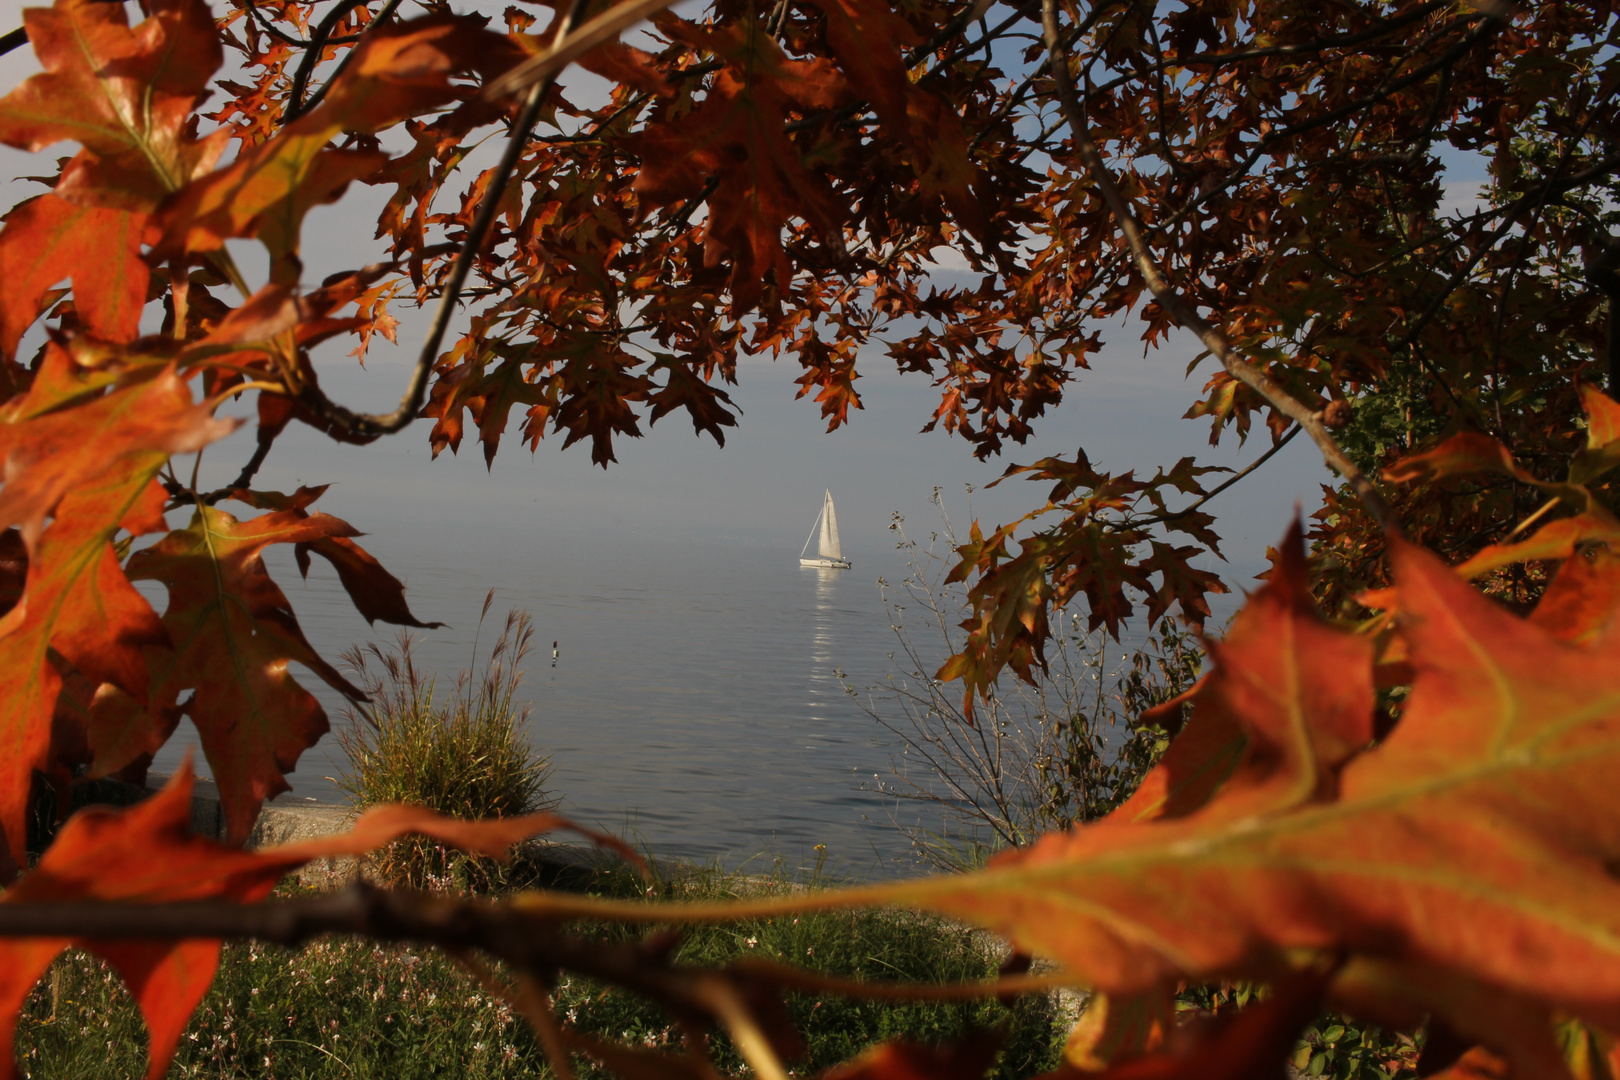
1178, 308
318, 41
320, 95
1172, 515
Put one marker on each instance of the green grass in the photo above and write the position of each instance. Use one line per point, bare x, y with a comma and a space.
352, 1009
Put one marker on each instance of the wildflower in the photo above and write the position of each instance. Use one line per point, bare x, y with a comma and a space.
478, 1048
254, 992
811, 951
751, 941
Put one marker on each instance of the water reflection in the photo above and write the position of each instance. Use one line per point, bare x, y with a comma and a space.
822, 678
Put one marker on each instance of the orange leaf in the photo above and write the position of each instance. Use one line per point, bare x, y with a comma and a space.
1472, 844
48, 239
1582, 599
376, 593
968, 1059
90, 467
1460, 455
396, 72
1253, 1045
1555, 540
1602, 450
125, 94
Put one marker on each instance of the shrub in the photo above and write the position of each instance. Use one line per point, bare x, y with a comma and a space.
467, 755
1035, 758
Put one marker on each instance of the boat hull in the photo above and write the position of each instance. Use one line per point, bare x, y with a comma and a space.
830, 564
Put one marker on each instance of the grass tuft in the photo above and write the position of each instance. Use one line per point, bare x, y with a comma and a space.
466, 755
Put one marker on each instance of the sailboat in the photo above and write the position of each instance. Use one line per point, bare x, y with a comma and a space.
830, 553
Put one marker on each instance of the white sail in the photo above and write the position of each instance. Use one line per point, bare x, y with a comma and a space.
830, 547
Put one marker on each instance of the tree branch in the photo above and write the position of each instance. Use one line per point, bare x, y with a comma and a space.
526, 940
318, 41
1178, 308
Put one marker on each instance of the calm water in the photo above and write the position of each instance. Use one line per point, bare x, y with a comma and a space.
695, 700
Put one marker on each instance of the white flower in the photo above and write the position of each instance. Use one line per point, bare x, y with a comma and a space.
751, 941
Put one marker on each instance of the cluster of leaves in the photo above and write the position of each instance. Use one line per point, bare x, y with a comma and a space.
1411, 817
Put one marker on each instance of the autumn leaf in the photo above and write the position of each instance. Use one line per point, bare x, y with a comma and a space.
76, 598
1445, 849
125, 94
965, 1059
47, 240
233, 635
396, 72
735, 139
867, 38
1583, 597
1556, 540
376, 593
1461, 455
148, 853
1602, 450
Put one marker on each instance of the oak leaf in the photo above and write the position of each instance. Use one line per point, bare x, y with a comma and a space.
148, 854
396, 72
1468, 852
47, 240
125, 94
90, 467
735, 140
376, 593
233, 635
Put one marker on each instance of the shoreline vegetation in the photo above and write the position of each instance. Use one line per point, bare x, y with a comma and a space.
341, 1008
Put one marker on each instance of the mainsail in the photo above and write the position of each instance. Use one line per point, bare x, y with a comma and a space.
830, 547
